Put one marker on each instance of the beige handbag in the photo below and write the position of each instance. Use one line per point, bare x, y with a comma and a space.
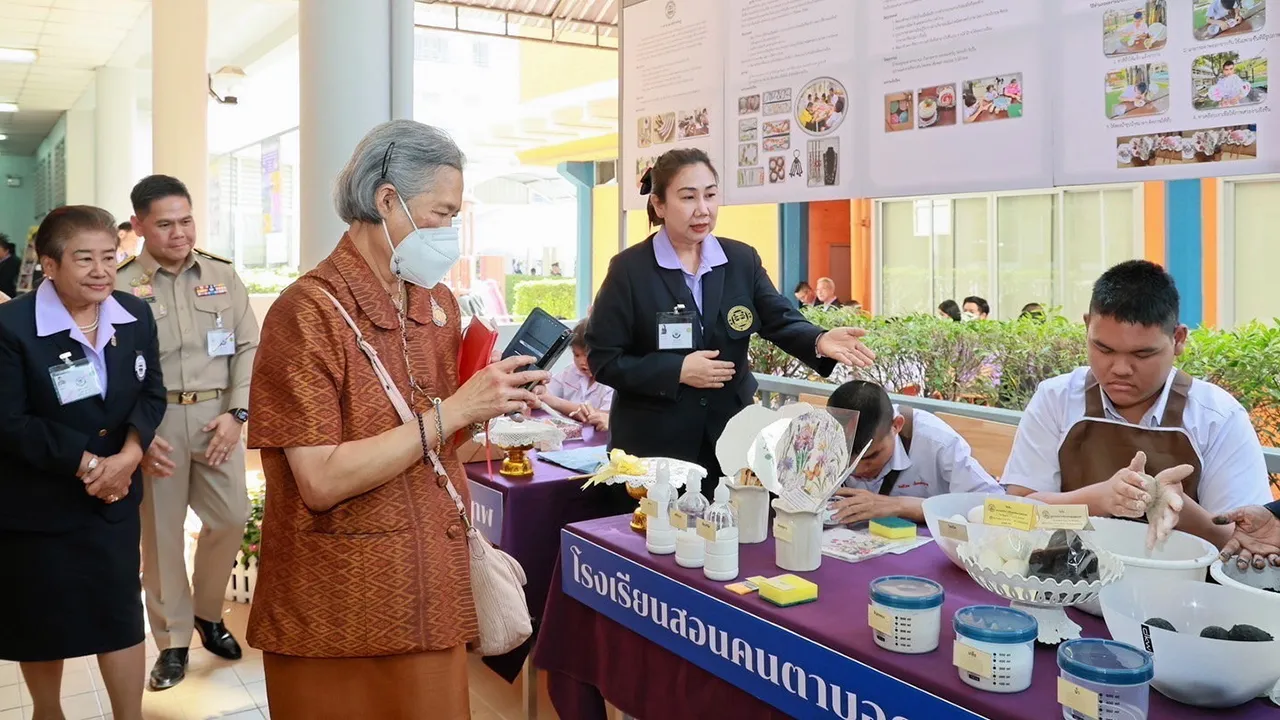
497, 580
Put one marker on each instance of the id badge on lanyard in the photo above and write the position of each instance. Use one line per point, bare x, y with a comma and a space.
74, 381
222, 343
675, 329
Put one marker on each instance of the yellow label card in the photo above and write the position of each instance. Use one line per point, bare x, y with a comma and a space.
679, 520
1074, 697
879, 620
649, 507
1063, 517
706, 530
971, 660
781, 530
1008, 513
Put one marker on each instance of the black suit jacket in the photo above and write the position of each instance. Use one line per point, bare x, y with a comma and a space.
42, 442
9, 269
1274, 507
653, 414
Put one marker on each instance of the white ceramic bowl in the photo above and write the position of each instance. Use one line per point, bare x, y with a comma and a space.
943, 507
1188, 668
1183, 557
1249, 580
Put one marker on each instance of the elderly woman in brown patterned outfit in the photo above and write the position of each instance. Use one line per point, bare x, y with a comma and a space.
364, 606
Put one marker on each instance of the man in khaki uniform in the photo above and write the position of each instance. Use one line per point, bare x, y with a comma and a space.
208, 338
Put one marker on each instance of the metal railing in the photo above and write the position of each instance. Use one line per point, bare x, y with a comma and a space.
790, 388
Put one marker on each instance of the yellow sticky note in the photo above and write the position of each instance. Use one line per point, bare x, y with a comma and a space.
649, 507
706, 530
953, 530
971, 660
781, 530
679, 520
1010, 514
1062, 517
879, 620
1074, 697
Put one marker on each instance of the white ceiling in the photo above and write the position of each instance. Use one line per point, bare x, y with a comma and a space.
73, 37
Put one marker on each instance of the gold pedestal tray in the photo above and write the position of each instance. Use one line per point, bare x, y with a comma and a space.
639, 521
516, 464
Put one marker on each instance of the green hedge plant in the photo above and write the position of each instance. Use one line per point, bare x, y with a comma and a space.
558, 296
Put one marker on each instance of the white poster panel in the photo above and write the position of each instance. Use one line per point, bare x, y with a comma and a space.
789, 100
957, 97
1164, 90
672, 85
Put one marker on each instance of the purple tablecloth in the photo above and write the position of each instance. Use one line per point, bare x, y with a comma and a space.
534, 510
589, 656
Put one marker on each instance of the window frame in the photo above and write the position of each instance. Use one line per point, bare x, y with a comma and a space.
993, 246
1227, 243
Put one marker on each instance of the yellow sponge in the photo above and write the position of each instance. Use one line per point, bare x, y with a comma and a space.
893, 528
787, 590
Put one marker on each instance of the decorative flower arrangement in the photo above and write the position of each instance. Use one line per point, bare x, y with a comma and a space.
251, 544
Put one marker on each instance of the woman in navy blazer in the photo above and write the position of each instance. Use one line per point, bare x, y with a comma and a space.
80, 402
675, 402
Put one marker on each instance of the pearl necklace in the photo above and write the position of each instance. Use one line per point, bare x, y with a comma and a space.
97, 316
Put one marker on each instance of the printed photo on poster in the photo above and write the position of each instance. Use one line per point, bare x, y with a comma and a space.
695, 123
664, 128
748, 104
751, 177
643, 164
1223, 80
748, 154
780, 142
1214, 19
993, 98
748, 129
824, 162
1224, 144
1135, 27
777, 108
777, 169
898, 107
1137, 91
936, 106
779, 95
644, 132
797, 166
774, 128
822, 105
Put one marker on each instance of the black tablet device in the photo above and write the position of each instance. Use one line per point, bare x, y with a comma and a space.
542, 337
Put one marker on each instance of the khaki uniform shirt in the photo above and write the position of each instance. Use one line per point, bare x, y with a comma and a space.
206, 295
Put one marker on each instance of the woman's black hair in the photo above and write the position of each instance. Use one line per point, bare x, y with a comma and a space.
61, 224
657, 179
950, 309
875, 410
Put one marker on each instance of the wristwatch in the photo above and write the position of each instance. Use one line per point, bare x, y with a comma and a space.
240, 414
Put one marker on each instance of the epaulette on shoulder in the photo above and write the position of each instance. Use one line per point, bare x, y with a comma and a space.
126, 262
211, 256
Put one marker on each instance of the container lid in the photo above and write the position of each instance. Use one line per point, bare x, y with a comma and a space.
1105, 662
995, 624
905, 592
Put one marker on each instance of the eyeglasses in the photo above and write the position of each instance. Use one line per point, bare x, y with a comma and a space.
386, 159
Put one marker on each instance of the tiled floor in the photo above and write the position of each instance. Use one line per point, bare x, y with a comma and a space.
216, 688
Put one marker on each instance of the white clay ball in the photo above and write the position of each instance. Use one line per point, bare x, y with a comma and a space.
958, 519
1009, 546
990, 559
1016, 568
976, 514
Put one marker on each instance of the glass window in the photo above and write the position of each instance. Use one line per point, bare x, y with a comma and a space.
1254, 214
934, 249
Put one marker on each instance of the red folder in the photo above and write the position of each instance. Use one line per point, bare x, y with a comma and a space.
477, 348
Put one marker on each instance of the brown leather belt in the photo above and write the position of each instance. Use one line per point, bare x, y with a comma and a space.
191, 398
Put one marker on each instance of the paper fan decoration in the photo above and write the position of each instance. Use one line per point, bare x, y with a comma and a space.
813, 457
734, 448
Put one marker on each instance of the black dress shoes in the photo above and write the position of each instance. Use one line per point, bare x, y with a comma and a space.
169, 670
217, 639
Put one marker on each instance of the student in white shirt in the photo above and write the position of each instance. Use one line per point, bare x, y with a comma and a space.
1082, 431
574, 390
913, 455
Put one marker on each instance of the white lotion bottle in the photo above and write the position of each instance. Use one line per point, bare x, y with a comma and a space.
720, 530
660, 537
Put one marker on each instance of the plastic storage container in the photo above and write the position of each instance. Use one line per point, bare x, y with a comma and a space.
752, 502
1005, 641
689, 509
1103, 679
719, 527
906, 613
660, 537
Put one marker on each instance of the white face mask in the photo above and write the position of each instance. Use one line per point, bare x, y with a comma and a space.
968, 316
425, 255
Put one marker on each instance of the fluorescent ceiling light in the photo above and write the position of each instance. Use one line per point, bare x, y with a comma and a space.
3, 136
17, 55
8, 107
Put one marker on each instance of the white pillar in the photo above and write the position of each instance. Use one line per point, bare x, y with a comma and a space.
180, 97
114, 128
80, 152
354, 58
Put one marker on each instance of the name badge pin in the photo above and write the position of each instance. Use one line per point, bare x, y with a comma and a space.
679, 307
65, 358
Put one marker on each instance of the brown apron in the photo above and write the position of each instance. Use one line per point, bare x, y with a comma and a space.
1096, 448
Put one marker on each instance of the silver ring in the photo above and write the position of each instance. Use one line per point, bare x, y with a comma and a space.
156, 463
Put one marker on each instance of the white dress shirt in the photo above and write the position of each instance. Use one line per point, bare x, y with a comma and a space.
940, 462
1234, 472
570, 384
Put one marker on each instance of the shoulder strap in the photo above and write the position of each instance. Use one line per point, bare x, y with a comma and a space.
908, 422
1177, 402
1092, 397
401, 406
